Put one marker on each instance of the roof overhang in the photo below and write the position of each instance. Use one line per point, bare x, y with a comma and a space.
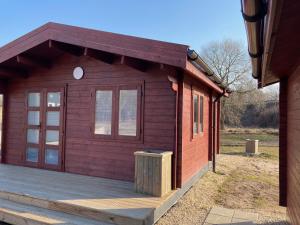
279, 37
43, 45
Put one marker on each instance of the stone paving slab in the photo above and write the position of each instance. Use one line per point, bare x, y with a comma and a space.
220, 215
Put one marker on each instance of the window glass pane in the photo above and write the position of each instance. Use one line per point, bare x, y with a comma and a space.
127, 112
53, 118
196, 113
34, 99
201, 114
51, 156
32, 154
103, 112
34, 118
52, 137
33, 136
53, 99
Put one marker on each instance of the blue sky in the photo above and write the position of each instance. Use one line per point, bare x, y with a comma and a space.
192, 22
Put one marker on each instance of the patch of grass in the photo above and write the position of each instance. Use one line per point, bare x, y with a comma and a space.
259, 201
265, 152
238, 137
262, 178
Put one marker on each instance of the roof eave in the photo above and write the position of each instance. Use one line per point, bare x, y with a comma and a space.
196, 73
271, 24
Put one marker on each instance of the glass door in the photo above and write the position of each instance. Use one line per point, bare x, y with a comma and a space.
53, 129
33, 129
45, 123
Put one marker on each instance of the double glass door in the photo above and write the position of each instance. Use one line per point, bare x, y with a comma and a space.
44, 128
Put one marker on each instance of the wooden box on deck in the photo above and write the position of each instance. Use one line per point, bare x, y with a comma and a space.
153, 172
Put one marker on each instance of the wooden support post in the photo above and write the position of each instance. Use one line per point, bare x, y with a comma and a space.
4, 121
218, 125
283, 106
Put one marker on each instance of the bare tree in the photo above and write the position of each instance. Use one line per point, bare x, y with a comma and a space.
229, 59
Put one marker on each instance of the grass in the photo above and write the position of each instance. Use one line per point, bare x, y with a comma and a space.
265, 152
233, 142
236, 137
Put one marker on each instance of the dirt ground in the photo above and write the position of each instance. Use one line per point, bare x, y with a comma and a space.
241, 182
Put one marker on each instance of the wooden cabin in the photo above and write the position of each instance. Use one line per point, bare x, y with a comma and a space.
83, 101
275, 52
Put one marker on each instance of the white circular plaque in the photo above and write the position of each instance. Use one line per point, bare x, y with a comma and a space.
78, 73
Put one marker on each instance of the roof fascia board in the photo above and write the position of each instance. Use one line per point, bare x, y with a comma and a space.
150, 50
195, 72
271, 25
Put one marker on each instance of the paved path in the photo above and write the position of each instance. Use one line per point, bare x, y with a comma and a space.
219, 215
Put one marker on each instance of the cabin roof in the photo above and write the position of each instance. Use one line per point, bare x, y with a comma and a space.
33, 48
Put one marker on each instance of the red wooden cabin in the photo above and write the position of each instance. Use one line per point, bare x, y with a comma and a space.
83, 101
274, 44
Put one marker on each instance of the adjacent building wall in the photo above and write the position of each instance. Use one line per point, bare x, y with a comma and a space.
85, 154
293, 147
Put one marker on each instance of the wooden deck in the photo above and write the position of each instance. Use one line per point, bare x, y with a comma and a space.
33, 196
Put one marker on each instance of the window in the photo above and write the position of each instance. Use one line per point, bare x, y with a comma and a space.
34, 100
195, 114
198, 113
51, 156
128, 112
53, 99
201, 113
103, 114
32, 154
53, 118
117, 112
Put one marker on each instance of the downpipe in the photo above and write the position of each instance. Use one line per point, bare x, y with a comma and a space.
214, 155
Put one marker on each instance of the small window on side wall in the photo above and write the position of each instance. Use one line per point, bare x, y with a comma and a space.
201, 113
103, 112
195, 114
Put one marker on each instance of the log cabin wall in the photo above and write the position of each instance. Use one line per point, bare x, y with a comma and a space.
293, 143
195, 148
84, 153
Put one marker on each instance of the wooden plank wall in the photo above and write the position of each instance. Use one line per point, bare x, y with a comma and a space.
194, 150
85, 154
293, 151
283, 141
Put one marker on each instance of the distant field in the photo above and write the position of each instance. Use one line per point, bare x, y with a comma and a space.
237, 137
233, 142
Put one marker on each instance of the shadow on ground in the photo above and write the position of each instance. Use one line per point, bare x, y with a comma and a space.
275, 223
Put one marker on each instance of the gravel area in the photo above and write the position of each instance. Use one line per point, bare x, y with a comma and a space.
241, 182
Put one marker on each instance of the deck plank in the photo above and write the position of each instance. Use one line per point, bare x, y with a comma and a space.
109, 200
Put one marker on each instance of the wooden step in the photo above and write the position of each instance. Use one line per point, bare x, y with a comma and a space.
20, 214
78, 208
